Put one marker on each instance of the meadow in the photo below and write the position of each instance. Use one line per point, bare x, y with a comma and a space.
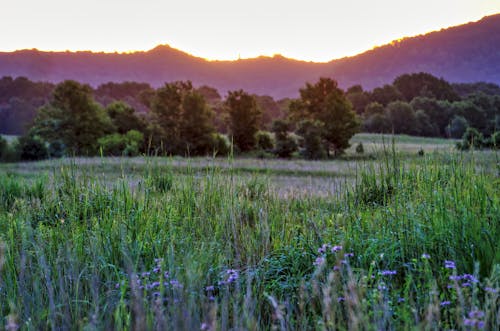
385, 240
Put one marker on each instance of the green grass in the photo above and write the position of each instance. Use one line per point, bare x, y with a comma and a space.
227, 244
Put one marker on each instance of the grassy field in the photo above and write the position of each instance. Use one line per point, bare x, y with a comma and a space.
380, 241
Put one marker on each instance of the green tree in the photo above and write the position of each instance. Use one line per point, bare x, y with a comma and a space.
73, 118
385, 95
31, 148
285, 145
244, 116
458, 126
196, 126
326, 103
124, 118
425, 85
312, 144
183, 120
402, 117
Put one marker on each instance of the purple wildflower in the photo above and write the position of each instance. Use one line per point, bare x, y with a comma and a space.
470, 278
340, 299
469, 322
336, 248
319, 261
445, 303
145, 274
323, 248
466, 284
449, 264
349, 255
336, 268
401, 300
210, 288
455, 277
156, 270
480, 324
426, 256
491, 289
388, 272
476, 314
204, 326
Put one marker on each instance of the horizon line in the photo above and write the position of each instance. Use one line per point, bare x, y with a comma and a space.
234, 59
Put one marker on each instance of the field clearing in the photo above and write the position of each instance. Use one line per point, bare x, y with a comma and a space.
376, 241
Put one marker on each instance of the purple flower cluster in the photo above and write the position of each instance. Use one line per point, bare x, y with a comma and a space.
467, 279
229, 277
388, 272
449, 264
426, 256
474, 319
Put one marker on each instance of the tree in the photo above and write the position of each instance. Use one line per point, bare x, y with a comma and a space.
196, 128
385, 95
458, 126
73, 118
438, 111
326, 103
402, 117
244, 116
425, 85
358, 98
182, 119
285, 145
310, 131
124, 118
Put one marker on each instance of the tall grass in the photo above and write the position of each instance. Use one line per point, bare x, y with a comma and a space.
215, 250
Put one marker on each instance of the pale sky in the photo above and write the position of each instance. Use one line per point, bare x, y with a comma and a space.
312, 30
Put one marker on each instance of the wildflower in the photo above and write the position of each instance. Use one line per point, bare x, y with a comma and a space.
455, 277
388, 272
349, 255
117, 285
156, 294
449, 264
470, 278
165, 274
210, 288
340, 299
204, 326
156, 270
426, 256
145, 274
401, 300
319, 261
336, 248
445, 303
476, 314
175, 283
469, 322
480, 324
491, 290
336, 268
466, 284
158, 261
323, 248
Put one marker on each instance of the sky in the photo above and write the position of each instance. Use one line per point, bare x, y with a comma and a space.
311, 30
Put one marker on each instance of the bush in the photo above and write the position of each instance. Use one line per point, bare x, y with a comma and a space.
57, 149
360, 149
285, 144
472, 138
32, 148
117, 144
221, 145
264, 141
3, 147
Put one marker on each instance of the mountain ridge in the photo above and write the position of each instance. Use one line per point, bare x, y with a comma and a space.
464, 53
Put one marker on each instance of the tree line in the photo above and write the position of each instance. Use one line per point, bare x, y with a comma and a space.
178, 119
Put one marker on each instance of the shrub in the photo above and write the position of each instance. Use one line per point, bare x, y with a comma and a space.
472, 138
221, 145
313, 147
31, 148
360, 149
264, 141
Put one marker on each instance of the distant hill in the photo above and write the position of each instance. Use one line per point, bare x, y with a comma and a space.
465, 53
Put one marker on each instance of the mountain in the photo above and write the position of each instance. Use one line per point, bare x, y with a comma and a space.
465, 53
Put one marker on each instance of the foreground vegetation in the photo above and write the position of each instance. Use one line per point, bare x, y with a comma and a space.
408, 242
